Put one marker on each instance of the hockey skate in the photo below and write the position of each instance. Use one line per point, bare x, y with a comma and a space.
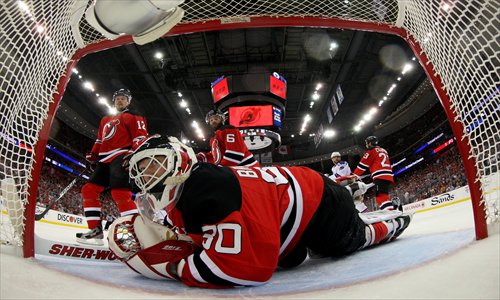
92, 237
396, 202
400, 224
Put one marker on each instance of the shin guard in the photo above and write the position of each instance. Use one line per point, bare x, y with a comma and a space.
91, 204
124, 202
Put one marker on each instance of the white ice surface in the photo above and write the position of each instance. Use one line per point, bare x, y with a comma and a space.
437, 257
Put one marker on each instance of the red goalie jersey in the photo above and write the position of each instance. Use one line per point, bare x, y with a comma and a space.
377, 161
228, 149
118, 134
246, 219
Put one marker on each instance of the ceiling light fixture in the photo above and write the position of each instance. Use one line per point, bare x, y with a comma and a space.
407, 67
329, 133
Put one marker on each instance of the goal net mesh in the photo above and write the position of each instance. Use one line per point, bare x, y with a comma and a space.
39, 38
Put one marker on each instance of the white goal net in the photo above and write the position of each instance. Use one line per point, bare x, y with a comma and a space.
456, 41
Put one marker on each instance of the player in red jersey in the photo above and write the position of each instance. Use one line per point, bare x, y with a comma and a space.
117, 136
233, 226
376, 160
227, 145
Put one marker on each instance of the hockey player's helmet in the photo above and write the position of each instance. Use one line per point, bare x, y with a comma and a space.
123, 92
159, 167
371, 140
215, 112
335, 154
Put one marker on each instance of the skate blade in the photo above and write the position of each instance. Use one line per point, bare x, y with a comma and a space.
96, 242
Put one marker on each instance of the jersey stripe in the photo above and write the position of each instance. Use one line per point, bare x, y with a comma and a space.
194, 271
231, 160
363, 167
298, 209
234, 154
288, 211
113, 154
208, 271
248, 161
382, 172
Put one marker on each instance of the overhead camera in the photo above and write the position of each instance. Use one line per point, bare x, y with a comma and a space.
146, 21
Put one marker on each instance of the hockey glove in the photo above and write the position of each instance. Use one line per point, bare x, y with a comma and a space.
126, 160
92, 158
359, 188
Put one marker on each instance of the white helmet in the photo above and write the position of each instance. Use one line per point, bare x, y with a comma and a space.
159, 167
335, 154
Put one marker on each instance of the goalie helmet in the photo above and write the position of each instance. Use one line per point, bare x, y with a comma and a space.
123, 92
159, 167
215, 112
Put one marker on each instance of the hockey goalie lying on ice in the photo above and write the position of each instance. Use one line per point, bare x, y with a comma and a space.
233, 226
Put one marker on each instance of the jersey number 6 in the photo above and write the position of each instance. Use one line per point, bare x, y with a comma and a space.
230, 138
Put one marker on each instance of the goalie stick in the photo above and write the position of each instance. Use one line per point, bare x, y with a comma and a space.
40, 216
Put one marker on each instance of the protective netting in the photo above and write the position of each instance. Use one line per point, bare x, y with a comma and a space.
35, 46
459, 37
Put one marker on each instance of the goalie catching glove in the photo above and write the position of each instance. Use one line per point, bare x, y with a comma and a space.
150, 249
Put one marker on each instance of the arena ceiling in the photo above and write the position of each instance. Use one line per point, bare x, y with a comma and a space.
364, 64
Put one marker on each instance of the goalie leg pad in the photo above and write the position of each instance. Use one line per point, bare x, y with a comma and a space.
387, 227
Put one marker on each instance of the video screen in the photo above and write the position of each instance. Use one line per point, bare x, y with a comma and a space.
220, 90
251, 116
277, 86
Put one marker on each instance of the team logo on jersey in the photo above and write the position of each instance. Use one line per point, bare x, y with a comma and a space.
216, 152
109, 129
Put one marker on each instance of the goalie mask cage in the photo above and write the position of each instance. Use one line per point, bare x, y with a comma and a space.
456, 42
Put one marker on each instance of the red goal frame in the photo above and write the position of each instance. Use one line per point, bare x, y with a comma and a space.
256, 22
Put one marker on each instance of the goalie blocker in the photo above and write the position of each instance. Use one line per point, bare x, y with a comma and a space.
259, 219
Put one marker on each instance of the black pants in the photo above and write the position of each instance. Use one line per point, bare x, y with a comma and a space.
383, 186
111, 174
334, 230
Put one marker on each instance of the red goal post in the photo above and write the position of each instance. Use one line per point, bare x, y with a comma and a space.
456, 42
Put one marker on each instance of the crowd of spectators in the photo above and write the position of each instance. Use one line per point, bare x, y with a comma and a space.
52, 182
443, 174
440, 175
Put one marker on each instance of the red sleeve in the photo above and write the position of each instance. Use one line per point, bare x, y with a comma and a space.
229, 257
364, 164
98, 141
205, 157
235, 147
137, 127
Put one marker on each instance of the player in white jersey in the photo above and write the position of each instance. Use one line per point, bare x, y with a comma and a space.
340, 168
341, 173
